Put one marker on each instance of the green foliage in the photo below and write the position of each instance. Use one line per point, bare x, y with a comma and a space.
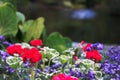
34, 30
21, 17
68, 42
14, 62
13, 2
8, 19
24, 27
64, 59
57, 41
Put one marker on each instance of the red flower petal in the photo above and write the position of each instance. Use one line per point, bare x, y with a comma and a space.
14, 49
32, 54
87, 46
36, 42
63, 77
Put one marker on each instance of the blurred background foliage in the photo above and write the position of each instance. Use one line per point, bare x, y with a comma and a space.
104, 26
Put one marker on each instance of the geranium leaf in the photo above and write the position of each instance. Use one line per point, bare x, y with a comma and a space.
68, 42
56, 40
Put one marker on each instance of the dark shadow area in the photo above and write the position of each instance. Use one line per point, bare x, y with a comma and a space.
104, 27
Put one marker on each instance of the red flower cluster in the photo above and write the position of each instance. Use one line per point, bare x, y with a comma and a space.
36, 42
14, 49
33, 55
63, 77
92, 54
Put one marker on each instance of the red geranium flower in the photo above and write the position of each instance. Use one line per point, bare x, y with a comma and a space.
87, 46
32, 54
63, 77
36, 42
92, 54
14, 49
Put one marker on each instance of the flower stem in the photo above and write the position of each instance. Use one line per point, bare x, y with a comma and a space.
32, 77
18, 75
71, 60
43, 66
49, 62
3, 48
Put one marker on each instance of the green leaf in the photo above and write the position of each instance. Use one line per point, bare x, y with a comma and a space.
14, 62
21, 17
35, 30
8, 20
64, 59
98, 75
25, 26
13, 2
68, 42
57, 41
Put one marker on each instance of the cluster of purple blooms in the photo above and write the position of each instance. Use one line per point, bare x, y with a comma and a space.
111, 65
4, 55
96, 46
3, 41
53, 68
90, 75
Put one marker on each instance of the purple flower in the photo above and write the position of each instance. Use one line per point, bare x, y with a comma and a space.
111, 65
6, 43
75, 73
47, 69
89, 49
91, 75
2, 38
98, 46
3, 55
52, 70
27, 64
9, 69
55, 66
38, 71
